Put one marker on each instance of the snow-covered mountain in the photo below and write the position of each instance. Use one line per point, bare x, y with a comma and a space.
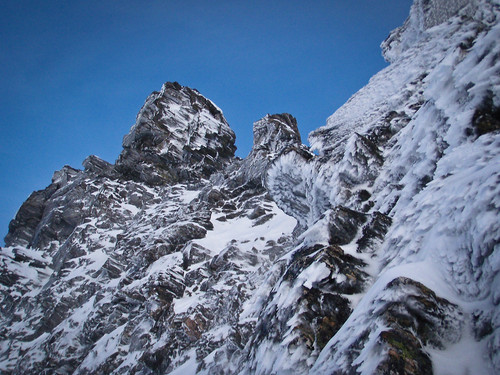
378, 254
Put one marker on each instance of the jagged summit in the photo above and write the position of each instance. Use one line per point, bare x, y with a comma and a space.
275, 132
378, 256
273, 136
178, 135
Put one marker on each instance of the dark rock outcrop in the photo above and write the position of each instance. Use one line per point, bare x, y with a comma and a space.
178, 135
181, 257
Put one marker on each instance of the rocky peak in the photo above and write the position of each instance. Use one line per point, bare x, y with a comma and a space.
273, 136
34, 224
95, 165
65, 175
273, 133
178, 135
380, 255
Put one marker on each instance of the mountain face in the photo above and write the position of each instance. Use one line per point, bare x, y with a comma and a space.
379, 254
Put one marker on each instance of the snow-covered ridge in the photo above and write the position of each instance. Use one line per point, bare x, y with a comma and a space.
381, 255
423, 16
409, 145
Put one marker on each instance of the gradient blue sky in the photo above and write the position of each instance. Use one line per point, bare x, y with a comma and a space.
75, 73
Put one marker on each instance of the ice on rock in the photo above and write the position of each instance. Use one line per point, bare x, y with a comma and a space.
378, 255
178, 135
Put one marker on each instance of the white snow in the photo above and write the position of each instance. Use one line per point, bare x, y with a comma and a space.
247, 235
438, 182
103, 348
444, 234
463, 358
312, 274
189, 367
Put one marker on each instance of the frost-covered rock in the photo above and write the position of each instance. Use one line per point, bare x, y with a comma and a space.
274, 136
178, 135
379, 255
390, 335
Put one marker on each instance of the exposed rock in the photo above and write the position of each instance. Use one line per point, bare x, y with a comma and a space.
274, 135
486, 118
99, 167
343, 225
404, 356
42, 219
182, 258
434, 320
373, 232
178, 135
422, 319
23, 226
406, 318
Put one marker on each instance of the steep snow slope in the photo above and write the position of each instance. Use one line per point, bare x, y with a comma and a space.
380, 255
419, 144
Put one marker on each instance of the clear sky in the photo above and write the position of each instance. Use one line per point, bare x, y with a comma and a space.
75, 73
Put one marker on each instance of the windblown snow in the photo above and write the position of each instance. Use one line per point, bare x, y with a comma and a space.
379, 255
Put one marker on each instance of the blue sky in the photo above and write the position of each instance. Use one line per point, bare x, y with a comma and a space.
75, 73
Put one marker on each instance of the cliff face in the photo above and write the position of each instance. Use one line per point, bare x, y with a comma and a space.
178, 135
378, 255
